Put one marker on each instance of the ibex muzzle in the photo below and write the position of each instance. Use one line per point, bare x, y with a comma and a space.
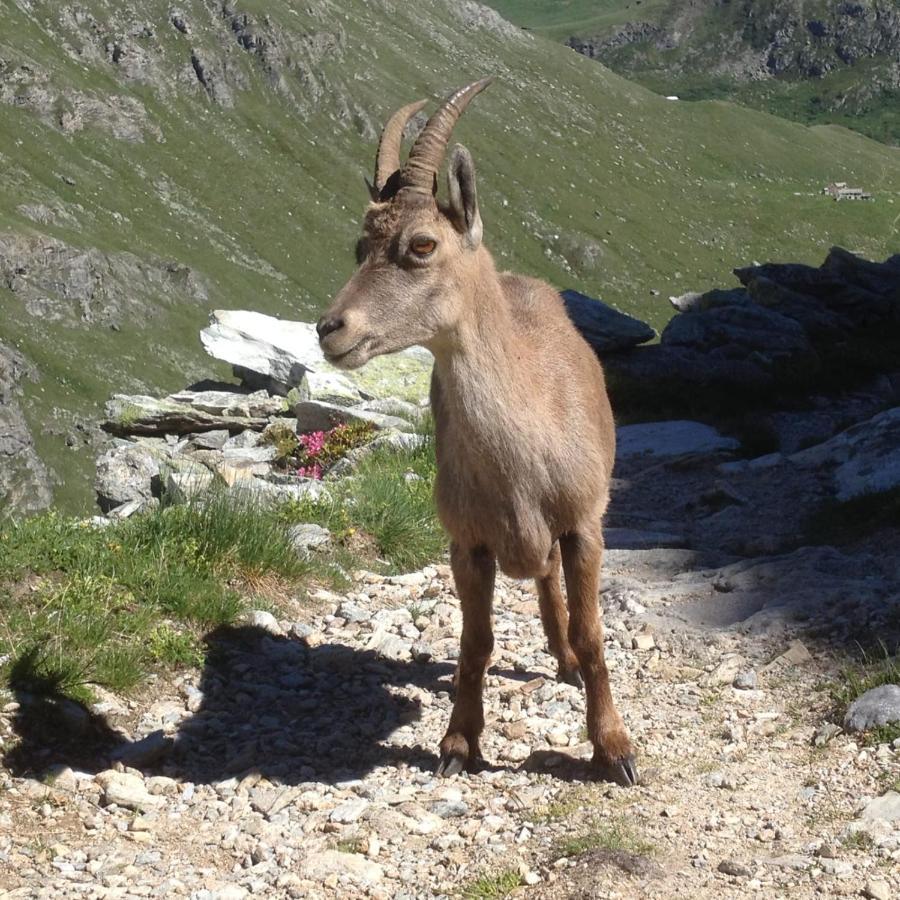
524, 434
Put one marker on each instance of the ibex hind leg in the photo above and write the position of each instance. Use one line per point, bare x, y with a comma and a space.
582, 554
474, 571
555, 618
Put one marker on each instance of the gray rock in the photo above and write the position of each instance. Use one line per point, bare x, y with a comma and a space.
260, 618
127, 790
633, 539
309, 536
886, 807
184, 487
138, 414
257, 405
734, 868
604, 328
673, 438
210, 440
146, 751
353, 612
313, 415
349, 811
243, 440
318, 866
875, 889
126, 474
878, 706
248, 456
746, 680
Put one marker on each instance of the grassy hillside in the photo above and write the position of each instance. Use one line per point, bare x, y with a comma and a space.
557, 19
151, 172
808, 60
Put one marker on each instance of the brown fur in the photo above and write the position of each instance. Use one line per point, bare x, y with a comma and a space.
524, 437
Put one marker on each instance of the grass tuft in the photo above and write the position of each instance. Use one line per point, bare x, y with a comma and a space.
609, 836
492, 887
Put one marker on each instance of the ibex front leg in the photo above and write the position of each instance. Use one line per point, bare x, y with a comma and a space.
473, 572
582, 554
555, 618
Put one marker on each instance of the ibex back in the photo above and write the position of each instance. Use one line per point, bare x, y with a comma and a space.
523, 428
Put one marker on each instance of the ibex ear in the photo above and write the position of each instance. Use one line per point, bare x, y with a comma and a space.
464, 196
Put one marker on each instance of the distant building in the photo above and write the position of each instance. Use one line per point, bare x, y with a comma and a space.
840, 190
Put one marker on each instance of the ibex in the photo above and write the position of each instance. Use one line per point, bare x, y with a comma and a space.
524, 432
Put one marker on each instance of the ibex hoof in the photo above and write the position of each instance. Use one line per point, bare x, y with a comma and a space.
451, 764
622, 771
570, 676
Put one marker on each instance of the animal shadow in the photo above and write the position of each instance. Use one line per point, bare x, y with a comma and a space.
270, 704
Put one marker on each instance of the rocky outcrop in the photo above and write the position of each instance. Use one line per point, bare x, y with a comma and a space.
263, 443
85, 287
784, 329
604, 328
24, 480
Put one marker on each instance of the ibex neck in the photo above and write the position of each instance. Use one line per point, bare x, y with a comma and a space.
485, 330
478, 361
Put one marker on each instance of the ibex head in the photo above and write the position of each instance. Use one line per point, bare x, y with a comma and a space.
415, 255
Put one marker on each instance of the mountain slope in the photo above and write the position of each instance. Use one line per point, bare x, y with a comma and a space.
809, 60
158, 163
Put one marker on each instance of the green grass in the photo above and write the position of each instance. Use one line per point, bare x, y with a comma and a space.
492, 887
388, 500
614, 836
263, 200
82, 606
558, 19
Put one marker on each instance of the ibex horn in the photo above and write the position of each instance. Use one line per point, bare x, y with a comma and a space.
420, 170
387, 159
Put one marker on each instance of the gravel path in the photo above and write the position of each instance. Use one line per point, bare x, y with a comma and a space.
299, 762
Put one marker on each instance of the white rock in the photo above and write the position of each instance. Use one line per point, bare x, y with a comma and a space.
287, 351
124, 789
260, 618
886, 807
349, 811
321, 865
673, 438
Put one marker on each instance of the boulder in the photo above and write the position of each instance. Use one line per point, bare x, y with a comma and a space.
288, 353
604, 328
309, 536
126, 474
879, 706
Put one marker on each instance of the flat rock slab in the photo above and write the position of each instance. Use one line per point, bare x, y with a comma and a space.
137, 414
313, 415
678, 437
632, 539
879, 706
604, 328
287, 352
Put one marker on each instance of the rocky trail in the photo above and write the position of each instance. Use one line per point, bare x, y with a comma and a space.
299, 762
745, 568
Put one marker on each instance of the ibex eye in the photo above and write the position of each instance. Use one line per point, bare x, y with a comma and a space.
423, 246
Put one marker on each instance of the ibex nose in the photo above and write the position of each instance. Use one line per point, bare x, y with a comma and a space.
327, 324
